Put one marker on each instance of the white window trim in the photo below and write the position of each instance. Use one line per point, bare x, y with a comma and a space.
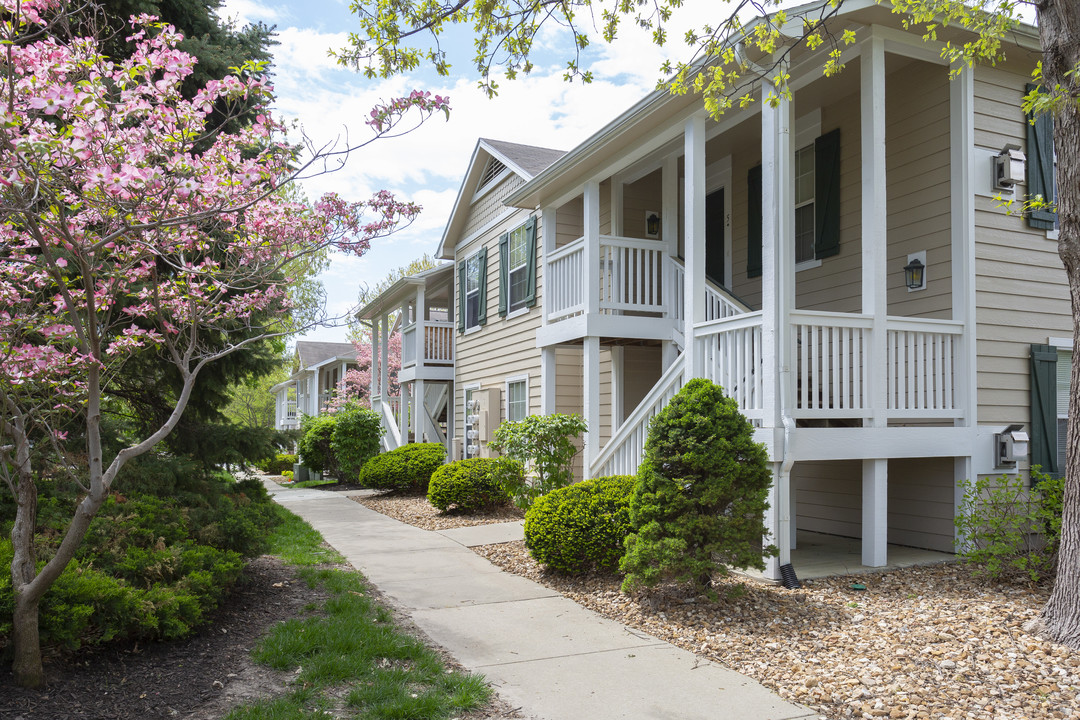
465, 290
523, 227
807, 265
523, 310
506, 393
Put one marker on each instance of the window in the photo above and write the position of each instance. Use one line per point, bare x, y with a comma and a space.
817, 204
472, 291
517, 398
517, 268
804, 204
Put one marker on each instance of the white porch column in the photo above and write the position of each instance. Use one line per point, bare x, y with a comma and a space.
373, 380
591, 251
591, 403
548, 227
669, 233
421, 337
694, 243
875, 530
384, 358
618, 391
419, 410
962, 220
403, 420
777, 301
548, 365
875, 519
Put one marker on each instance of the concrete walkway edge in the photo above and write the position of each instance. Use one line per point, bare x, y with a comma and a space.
541, 651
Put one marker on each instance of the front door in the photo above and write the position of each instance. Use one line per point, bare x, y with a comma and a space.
714, 237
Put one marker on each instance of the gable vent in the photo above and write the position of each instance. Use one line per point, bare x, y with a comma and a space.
493, 170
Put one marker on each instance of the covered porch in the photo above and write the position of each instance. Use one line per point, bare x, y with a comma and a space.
767, 252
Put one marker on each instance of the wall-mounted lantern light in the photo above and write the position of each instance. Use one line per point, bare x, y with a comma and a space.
1009, 168
915, 272
652, 224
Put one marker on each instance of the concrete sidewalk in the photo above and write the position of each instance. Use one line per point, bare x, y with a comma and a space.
541, 651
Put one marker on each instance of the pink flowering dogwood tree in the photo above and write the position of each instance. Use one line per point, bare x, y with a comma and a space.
127, 222
356, 385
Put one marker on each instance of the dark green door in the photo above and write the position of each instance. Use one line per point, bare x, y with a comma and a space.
714, 237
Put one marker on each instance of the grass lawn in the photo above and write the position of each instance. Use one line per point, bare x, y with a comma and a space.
310, 483
348, 656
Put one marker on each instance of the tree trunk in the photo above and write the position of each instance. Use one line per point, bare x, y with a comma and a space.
1059, 30
26, 644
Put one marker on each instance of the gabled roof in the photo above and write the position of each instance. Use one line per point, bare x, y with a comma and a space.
526, 161
391, 298
316, 353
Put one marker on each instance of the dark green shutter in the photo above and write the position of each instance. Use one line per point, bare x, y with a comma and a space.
827, 195
1044, 407
530, 262
461, 296
483, 286
504, 273
1040, 167
753, 224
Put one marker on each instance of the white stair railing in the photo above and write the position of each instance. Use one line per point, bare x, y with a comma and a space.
392, 438
622, 454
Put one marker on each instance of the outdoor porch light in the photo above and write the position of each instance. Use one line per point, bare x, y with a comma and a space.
914, 274
652, 224
1008, 168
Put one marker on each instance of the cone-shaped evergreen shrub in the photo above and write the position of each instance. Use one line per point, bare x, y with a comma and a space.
700, 495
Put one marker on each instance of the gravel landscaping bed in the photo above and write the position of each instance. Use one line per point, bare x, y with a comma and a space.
929, 642
417, 511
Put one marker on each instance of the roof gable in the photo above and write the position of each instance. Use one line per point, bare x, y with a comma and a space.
312, 353
525, 161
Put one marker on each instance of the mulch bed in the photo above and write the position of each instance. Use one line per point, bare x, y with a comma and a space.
415, 510
201, 677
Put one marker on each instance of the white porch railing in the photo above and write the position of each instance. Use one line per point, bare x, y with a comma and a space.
622, 454
564, 274
832, 355
438, 346
631, 275
718, 304
388, 410
439, 342
733, 357
921, 362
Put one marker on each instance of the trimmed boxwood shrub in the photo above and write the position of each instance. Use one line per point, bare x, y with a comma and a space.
280, 463
408, 467
355, 438
581, 527
699, 501
473, 484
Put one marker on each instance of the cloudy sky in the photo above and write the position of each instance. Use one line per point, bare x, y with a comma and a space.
426, 166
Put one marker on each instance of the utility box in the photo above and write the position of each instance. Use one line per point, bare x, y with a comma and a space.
483, 413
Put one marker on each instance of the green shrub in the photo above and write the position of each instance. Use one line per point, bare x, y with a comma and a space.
315, 451
473, 484
700, 495
581, 527
279, 465
355, 439
408, 467
1009, 530
287, 474
544, 443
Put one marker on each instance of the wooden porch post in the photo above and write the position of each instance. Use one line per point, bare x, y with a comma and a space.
548, 237
420, 338
694, 243
669, 218
777, 301
384, 358
373, 380
962, 221
548, 378
875, 518
591, 403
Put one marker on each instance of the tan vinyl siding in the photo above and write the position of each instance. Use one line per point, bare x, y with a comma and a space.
490, 205
1022, 296
920, 500
570, 390
828, 497
919, 205
641, 370
570, 222
639, 198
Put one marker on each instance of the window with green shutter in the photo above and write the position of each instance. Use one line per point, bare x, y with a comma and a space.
1040, 168
1044, 413
473, 272
817, 204
517, 268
